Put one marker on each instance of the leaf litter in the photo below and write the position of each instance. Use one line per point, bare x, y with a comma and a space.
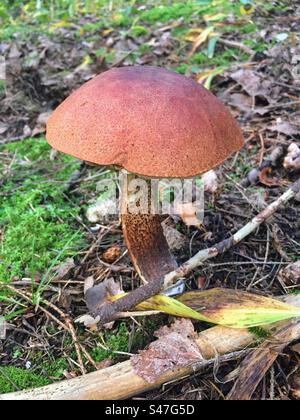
43, 70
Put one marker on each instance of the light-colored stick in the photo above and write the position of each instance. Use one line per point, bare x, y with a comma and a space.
224, 245
120, 381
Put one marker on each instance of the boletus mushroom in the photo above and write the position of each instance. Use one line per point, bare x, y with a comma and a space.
151, 122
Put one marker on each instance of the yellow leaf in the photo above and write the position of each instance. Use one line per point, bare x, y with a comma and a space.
60, 24
238, 309
207, 76
201, 38
230, 308
214, 17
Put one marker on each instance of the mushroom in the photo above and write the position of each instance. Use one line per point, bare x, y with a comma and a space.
151, 122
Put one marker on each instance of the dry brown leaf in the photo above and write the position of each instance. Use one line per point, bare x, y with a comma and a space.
290, 275
175, 239
188, 213
258, 362
266, 180
175, 347
64, 268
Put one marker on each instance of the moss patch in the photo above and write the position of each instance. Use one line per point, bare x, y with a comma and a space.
36, 220
14, 378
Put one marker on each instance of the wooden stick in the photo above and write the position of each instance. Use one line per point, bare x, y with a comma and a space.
120, 381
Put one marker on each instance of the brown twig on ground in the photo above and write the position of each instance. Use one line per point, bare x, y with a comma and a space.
258, 362
120, 381
238, 45
110, 311
67, 326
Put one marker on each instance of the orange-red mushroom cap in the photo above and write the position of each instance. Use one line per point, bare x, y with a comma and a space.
148, 120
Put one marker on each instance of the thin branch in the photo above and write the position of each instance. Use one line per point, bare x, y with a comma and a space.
223, 246
110, 311
67, 326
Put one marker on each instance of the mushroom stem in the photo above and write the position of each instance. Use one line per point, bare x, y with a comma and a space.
143, 233
147, 246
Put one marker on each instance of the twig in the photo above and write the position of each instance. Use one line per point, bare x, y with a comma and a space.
258, 362
68, 326
110, 310
238, 45
120, 381
226, 244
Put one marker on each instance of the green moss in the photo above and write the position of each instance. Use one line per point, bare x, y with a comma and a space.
182, 68
13, 379
220, 59
166, 13
36, 220
113, 341
260, 333
138, 30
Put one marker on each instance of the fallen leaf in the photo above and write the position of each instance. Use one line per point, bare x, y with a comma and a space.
188, 213
175, 347
290, 275
249, 81
258, 362
175, 239
206, 77
284, 127
200, 39
237, 309
64, 268
266, 180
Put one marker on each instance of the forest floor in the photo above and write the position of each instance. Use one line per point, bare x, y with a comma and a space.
48, 247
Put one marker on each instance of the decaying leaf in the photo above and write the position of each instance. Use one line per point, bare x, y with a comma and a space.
248, 80
206, 77
290, 275
175, 239
257, 363
230, 308
199, 39
238, 309
188, 213
175, 347
285, 127
64, 268
265, 179
292, 159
